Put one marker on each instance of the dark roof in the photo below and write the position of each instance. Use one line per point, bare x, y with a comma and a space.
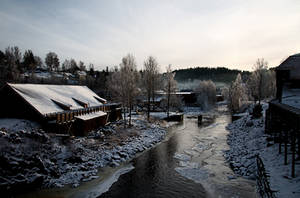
290, 63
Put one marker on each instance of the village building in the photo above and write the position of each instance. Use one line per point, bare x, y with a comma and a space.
283, 115
68, 109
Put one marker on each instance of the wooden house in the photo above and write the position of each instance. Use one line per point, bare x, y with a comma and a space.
283, 114
59, 108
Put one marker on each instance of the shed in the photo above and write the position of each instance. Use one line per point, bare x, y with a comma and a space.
59, 105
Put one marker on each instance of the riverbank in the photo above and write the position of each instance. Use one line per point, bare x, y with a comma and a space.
247, 139
32, 159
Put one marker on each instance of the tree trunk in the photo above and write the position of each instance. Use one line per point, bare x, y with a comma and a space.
168, 105
148, 108
130, 106
124, 112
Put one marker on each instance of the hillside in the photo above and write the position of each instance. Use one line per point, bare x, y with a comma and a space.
219, 74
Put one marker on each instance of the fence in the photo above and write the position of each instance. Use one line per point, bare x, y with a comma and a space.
262, 180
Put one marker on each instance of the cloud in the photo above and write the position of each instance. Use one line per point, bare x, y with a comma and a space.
191, 33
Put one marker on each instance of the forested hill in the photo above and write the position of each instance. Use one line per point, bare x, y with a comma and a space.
219, 74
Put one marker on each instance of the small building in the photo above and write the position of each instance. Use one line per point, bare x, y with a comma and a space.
58, 108
285, 108
283, 114
188, 97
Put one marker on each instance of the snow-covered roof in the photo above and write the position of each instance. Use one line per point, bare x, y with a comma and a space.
290, 63
177, 93
91, 115
291, 97
50, 98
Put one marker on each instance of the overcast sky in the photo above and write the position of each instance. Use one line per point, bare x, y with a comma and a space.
184, 33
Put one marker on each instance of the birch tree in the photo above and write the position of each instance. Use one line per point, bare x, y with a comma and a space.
256, 80
150, 80
237, 94
123, 84
262, 82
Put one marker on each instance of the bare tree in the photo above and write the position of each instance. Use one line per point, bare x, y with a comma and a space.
38, 61
12, 66
237, 94
29, 62
170, 87
123, 84
206, 92
52, 61
150, 80
66, 65
256, 80
82, 67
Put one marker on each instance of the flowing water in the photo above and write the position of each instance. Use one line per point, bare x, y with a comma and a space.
188, 163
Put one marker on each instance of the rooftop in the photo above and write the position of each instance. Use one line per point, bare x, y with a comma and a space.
290, 63
57, 98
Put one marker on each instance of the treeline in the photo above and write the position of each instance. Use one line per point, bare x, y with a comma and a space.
219, 74
260, 85
18, 67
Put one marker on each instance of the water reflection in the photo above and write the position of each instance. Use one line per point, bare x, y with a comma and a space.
154, 176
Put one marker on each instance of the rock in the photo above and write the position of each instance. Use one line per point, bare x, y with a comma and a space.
249, 123
75, 159
114, 164
231, 177
116, 157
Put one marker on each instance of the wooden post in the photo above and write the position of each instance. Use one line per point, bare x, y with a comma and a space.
298, 137
285, 147
293, 153
280, 141
199, 119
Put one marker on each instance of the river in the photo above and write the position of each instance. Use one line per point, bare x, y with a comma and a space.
188, 163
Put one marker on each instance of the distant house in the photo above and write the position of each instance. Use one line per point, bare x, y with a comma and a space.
59, 108
188, 97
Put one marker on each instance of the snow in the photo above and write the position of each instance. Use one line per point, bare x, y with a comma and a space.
291, 97
91, 115
17, 124
189, 169
104, 186
160, 115
246, 139
41, 96
55, 162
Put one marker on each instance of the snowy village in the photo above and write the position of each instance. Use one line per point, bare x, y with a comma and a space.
109, 100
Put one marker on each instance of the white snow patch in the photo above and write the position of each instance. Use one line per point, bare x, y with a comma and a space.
41, 96
194, 173
182, 157
246, 139
104, 186
91, 115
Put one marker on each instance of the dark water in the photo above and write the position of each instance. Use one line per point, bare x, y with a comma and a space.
204, 174
154, 175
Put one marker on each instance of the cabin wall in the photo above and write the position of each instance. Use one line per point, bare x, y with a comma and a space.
82, 127
14, 106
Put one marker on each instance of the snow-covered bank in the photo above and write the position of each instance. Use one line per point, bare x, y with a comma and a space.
31, 158
246, 139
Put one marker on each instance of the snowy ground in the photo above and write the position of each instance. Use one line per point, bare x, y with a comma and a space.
29, 158
246, 139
